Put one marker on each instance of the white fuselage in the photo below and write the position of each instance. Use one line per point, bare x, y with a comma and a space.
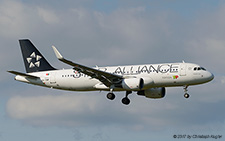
161, 75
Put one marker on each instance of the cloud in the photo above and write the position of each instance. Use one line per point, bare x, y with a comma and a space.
123, 36
10, 18
116, 36
48, 15
223, 80
43, 107
93, 109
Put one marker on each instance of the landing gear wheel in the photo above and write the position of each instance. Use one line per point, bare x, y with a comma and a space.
111, 96
126, 101
186, 95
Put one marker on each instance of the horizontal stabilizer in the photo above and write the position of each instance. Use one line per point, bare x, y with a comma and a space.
23, 74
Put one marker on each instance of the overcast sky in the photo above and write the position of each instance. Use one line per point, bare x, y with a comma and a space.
107, 33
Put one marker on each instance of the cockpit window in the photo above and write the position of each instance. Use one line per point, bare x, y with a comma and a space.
199, 68
203, 69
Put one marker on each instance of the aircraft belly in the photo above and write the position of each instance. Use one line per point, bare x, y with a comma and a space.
77, 84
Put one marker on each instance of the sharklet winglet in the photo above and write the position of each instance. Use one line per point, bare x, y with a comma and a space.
58, 55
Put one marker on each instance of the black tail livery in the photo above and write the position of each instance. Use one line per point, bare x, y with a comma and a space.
34, 61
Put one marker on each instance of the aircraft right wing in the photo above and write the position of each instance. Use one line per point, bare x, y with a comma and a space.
106, 78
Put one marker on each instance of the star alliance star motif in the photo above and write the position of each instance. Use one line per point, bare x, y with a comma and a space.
37, 60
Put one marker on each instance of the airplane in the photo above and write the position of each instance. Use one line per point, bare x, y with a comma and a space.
147, 80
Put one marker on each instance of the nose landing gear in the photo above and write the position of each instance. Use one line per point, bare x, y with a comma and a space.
186, 95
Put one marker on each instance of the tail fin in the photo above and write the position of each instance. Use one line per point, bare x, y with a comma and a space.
34, 61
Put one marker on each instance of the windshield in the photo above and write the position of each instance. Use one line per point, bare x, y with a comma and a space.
199, 68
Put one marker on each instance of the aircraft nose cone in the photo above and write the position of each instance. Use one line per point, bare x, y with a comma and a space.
210, 76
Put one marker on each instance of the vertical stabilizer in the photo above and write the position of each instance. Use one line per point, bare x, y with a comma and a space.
34, 61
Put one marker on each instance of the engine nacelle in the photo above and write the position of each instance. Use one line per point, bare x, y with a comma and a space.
137, 83
147, 82
153, 93
133, 83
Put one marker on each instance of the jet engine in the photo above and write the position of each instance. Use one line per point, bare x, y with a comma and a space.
137, 83
154, 93
133, 83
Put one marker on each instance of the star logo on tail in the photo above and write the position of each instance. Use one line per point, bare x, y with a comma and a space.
34, 60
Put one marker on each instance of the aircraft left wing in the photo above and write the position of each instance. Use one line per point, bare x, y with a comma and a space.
106, 78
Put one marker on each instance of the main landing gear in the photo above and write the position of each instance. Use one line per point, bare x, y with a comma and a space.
186, 95
111, 95
125, 100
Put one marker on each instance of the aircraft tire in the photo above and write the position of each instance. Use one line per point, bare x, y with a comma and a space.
186, 95
126, 101
111, 96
